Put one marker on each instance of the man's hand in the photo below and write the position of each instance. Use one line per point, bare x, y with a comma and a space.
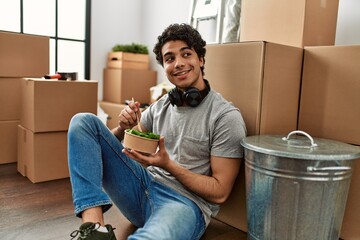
159, 159
127, 119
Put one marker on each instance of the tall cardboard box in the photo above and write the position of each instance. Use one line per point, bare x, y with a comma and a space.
124, 84
330, 93
8, 141
49, 105
329, 108
10, 95
262, 79
24, 55
42, 156
126, 60
296, 23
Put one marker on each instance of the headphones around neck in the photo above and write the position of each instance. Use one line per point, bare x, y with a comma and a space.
192, 96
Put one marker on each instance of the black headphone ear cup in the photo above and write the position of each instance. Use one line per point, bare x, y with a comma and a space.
175, 98
192, 97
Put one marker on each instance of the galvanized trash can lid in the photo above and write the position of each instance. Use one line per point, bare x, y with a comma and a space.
301, 147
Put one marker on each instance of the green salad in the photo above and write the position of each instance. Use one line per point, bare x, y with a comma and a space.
144, 134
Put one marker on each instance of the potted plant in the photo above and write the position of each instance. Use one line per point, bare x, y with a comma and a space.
133, 56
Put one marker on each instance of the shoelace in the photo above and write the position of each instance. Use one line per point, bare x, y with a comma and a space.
84, 232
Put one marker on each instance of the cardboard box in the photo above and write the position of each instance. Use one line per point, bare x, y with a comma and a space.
124, 84
112, 110
263, 80
10, 95
350, 228
329, 105
127, 65
329, 109
296, 23
127, 60
42, 156
8, 141
127, 56
49, 105
23, 55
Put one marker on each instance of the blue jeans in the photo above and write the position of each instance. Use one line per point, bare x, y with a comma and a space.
101, 175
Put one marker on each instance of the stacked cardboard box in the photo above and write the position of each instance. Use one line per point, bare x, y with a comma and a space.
124, 84
125, 60
127, 76
296, 23
329, 109
47, 108
263, 80
21, 55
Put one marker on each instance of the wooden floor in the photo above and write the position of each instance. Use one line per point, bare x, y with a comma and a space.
44, 211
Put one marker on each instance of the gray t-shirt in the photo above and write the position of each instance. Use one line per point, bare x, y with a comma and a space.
192, 135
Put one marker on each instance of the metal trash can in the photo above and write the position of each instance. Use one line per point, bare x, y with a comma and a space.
296, 186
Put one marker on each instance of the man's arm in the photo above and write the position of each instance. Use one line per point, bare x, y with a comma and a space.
215, 188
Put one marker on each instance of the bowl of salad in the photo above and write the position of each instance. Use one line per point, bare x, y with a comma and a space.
145, 142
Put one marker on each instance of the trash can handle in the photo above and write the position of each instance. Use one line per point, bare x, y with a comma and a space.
337, 168
313, 144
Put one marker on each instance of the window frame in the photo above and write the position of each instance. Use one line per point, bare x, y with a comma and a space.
56, 38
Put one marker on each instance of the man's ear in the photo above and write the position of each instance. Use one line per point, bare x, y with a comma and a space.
202, 61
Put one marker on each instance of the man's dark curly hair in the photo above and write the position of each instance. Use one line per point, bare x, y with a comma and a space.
183, 32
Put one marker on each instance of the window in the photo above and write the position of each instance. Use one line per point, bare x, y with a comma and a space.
66, 22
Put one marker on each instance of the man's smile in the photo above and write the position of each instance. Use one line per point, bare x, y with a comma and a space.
180, 73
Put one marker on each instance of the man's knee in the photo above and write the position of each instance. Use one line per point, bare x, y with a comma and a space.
79, 119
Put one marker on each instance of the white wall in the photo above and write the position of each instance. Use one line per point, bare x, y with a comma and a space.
112, 22
141, 21
348, 24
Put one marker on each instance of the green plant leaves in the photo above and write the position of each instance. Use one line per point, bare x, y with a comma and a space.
144, 134
132, 48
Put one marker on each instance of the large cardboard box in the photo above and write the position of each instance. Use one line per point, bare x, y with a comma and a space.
23, 55
49, 105
127, 60
296, 23
42, 156
10, 94
330, 93
263, 80
260, 78
124, 84
8, 141
329, 109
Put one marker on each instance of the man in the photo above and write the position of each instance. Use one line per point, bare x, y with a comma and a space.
193, 170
